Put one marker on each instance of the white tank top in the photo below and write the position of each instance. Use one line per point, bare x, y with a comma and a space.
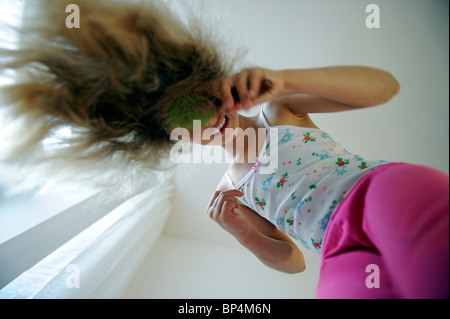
312, 175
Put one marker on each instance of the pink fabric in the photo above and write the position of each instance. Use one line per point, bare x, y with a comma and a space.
397, 218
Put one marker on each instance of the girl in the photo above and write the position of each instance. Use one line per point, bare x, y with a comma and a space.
381, 228
113, 80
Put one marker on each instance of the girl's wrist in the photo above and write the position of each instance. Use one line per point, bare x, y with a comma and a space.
246, 238
292, 80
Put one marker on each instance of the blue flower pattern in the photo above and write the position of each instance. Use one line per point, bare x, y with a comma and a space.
267, 183
286, 137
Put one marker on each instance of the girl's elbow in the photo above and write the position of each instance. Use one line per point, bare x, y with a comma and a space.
392, 87
297, 264
300, 268
296, 269
395, 86
388, 88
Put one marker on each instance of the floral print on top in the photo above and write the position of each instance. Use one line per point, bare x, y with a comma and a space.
313, 175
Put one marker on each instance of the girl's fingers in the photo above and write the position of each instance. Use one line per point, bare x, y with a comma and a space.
220, 205
228, 206
228, 212
227, 198
242, 88
264, 98
266, 93
225, 92
230, 195
245, 89
218, 198
212, 200
216, 91
222, 211
254, 79
234, 192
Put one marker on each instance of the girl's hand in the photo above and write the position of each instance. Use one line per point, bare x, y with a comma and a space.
248, 88
222, 209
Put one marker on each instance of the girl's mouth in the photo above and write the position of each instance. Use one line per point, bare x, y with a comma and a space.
221, 125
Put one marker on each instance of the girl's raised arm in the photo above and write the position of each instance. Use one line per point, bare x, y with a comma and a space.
317, 90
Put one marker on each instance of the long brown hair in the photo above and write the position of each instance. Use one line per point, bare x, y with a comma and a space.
108, 80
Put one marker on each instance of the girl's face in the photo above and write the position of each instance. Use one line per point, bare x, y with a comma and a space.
213, 133
209, 130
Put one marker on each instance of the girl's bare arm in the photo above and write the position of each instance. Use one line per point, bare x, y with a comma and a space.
264, 240
273, 247
351, 85
317, 90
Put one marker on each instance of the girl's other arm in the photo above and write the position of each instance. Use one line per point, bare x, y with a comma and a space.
264, 240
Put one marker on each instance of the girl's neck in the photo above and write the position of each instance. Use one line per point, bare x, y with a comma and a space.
240, 153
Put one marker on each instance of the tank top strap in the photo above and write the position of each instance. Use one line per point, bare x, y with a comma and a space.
229, 178
263, 118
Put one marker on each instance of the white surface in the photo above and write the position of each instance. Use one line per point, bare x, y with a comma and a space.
98, 262
23, 211
184, 268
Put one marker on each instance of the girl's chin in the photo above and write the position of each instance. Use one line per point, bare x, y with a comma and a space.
212, 137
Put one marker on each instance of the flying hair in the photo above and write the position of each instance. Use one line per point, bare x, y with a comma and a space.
109, 83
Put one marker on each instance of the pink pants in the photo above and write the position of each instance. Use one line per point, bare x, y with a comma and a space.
389, 238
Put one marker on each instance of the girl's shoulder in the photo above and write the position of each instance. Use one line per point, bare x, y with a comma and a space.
277, 114
225, 183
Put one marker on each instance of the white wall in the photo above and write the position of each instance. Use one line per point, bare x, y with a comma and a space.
412, 44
